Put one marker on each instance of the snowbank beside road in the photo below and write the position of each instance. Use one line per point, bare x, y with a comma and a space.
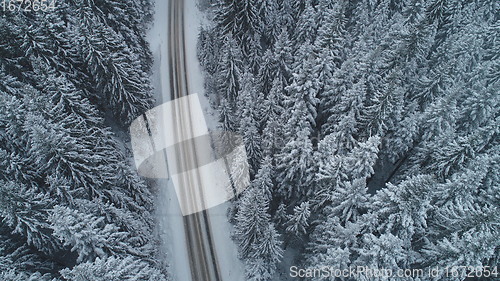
169, 212
232, 269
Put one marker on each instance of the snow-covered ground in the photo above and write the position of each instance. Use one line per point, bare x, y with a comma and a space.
169, 212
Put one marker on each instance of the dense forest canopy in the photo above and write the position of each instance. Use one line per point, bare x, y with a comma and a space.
371, 126
71, 206
371, 129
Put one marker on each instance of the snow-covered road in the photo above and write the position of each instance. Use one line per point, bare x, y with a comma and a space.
172, 222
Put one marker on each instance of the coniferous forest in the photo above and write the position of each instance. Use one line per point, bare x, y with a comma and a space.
71, 205
371, 129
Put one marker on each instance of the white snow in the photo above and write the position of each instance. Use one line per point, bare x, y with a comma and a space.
169, 212
232, 269
193, 20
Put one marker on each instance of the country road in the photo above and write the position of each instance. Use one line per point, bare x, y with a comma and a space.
201, 251
177, 144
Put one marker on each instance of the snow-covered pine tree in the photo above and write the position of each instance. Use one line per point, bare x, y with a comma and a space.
303, 90
227, 116
298, 222
252, 221
114, 68
257, 270
225, 17
335, 258
264, 178
208, 48
283, 54
266, 254
249, 20
13, 275
290, 11
273, 132
331, 32
271, 21
385, 107
113, 269
350, 200
344, 135
130, 19
25, 212
384, 252
254, 53
230, 70
332, 172
296, 165
346, 93
466, 214
267, 71
18, 257
239, 19
269, 247
465, 231
330, 237
403, 209
307, 26
363, 158
86, 234
248, 123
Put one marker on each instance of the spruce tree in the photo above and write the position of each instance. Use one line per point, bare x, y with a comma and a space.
113, 268
230, 70
298, 221
248, 123
252, 221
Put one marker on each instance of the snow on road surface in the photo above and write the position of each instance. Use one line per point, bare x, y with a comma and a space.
232, 269
169, 212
